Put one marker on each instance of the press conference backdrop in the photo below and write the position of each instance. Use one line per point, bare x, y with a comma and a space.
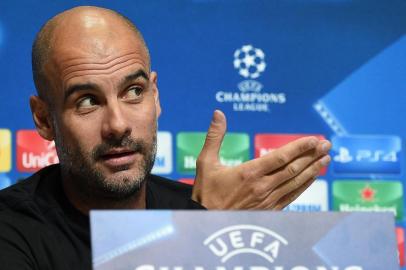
278, 69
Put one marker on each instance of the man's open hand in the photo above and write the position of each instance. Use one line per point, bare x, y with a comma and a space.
269, 182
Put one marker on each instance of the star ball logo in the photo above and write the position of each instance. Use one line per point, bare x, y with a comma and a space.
250, 62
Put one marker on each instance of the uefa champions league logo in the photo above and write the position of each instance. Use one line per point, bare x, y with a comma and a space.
241, 247
249, 61
245, 239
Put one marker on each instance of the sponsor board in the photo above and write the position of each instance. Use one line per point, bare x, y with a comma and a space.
33, 152
368, 196
235, 150
313, 199
365, 155
242, 240
250, 63
5, 150
189, 181
400, 236
163, 160
264, 143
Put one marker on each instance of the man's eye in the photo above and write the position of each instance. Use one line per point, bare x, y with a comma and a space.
133, 93
86, 102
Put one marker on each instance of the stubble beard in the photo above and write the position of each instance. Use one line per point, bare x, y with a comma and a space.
92, 183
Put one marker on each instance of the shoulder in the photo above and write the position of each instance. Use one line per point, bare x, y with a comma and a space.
163, 193
21, 221
25, 191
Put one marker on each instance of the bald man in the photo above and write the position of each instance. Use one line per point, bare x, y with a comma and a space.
98, 100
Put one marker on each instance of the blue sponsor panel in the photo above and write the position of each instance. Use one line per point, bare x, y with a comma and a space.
313, 199
164, 157
362, 155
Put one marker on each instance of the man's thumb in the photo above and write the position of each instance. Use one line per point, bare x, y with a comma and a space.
214, 138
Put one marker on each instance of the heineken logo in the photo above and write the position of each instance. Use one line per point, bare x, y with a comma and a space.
189, 162
368, 196
245, 239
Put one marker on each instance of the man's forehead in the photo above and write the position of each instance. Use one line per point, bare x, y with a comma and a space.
98, 50
94, 44
93, 30
95, 36
88, 65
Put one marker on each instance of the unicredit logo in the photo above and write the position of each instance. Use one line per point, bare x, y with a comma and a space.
245, 239
33, 152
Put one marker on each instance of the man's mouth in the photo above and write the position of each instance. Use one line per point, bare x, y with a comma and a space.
118, 157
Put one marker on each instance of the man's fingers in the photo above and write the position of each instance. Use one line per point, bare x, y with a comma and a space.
287, 199
214, 137
281, 156
296, 183
298, 165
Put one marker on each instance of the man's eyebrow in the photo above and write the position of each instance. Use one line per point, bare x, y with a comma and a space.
79, 87
135, 75
91, 86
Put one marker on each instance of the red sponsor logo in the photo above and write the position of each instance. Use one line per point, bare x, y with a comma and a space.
188, 181
33, 152
264, 143
400, 235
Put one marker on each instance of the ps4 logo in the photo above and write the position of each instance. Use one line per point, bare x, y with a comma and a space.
366, 155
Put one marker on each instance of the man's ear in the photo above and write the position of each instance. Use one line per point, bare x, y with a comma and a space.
154, 80
42, 118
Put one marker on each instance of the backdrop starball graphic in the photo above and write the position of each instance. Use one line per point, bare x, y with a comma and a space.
249, 61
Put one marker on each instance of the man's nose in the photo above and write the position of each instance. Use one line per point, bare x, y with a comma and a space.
115, 124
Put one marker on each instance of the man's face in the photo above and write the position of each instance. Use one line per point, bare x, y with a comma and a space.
105, 112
